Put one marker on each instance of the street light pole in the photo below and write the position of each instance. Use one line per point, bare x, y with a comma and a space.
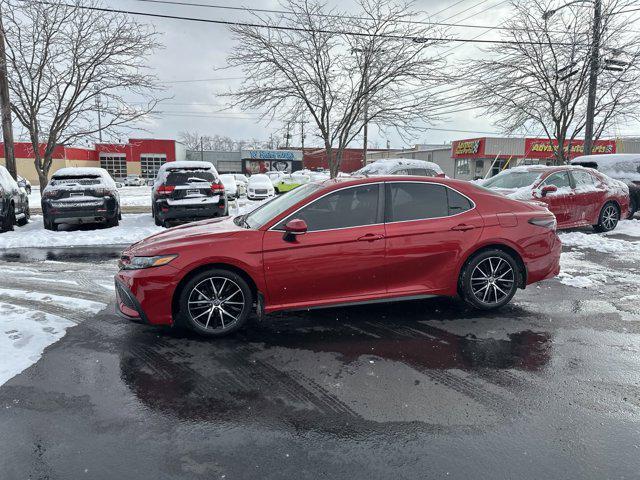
593, 78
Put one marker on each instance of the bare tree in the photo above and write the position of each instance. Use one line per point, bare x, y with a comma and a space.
340, 70
539, 82
72, 71
196, 141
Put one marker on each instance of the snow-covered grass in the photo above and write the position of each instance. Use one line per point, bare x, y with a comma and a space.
24, 334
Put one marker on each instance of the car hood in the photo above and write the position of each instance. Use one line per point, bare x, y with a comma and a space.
205, 231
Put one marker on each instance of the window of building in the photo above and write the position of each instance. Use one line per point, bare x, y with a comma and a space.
351, 207
462, 167
115, 164
150, 163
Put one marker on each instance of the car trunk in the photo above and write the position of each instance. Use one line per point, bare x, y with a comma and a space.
186, 187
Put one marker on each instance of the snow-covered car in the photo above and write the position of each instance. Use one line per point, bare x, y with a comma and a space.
577, 196
24, 183
260, 187
621, 166
185, 191
230, 185
275, 176
400, 166
14, 203
78, 195
134, 180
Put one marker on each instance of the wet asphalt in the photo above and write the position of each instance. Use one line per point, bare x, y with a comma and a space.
549, 387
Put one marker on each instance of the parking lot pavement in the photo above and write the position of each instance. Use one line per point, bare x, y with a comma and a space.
549, 387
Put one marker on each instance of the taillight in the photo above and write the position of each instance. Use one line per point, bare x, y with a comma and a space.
545, 222
101, 192
50, 194
166, 189
217, 188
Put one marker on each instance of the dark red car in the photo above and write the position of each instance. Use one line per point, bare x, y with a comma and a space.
340, 242
577, 196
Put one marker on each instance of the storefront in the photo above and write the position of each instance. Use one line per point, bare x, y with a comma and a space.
260, 161
486, 156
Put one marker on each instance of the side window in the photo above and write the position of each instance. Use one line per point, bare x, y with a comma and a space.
457, 203
415, 201
559, 179
418, 171
431, 173
402, 171
583, 180
351, 207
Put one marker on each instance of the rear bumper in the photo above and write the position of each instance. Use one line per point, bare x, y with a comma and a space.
164, 211
547, 266
67, 212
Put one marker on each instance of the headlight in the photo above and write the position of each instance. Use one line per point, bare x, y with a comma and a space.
138, 263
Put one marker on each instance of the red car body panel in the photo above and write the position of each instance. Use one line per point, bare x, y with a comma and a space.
580, 208
349, 265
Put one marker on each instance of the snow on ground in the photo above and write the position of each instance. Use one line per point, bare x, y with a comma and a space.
132, 228
135, 196
66, 302
630, 228
24, 334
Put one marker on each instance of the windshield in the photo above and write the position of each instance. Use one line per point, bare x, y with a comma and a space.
517, 179
181, 177
74, 179
275, 207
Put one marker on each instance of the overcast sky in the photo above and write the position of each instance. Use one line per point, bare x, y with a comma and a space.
194, 51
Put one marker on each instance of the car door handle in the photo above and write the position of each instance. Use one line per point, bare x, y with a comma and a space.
463, 227
370, 237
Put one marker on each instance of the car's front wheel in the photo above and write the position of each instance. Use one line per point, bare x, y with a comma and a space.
214, 303
489, 280
608, 218
9, 220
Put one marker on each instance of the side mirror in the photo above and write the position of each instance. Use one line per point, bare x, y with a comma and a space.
294, 228
547, 189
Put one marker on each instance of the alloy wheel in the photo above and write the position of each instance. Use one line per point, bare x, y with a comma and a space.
492, 280
609, 217
216, 303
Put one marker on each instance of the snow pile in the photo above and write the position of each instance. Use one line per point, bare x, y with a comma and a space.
24, 334
135, 196
132, 228
78, 304
630, 228
599, 243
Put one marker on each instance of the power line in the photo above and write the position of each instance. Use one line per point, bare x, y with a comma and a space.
465, 10
296, 29
323, 15
447, 8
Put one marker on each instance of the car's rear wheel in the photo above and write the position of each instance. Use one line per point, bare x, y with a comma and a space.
27, 215
9, 220
608, 218
489, 280
49, 224
215, 303
633, 207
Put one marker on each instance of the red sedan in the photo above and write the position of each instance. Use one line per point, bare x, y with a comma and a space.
340, 242
577, 196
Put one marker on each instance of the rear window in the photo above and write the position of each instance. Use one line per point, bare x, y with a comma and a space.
75, 179
183, 177
513, 179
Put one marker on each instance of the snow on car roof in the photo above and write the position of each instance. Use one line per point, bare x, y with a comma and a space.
607, 160
187, 165
386, 164
81, 172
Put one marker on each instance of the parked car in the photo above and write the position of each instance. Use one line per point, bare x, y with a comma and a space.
577, 196
185, 191
24, 183
134, 180
260, 187
80, 195
291, 181
230, 185
621, 166
343, 241
275, 175
401, 166
14, 203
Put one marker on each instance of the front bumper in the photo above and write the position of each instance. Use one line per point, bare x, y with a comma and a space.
259, 196
94, 211
127, 306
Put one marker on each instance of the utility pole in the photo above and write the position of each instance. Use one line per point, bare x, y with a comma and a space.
365, 132
302, 122
288, 133
593, 78
201, 148
99, 111
5, 109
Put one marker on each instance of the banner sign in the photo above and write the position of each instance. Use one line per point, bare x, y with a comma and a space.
468, 148
543, 148
287, 155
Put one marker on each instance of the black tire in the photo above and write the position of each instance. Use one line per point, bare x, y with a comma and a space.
633, 207
489, 280
218, 319
608, 218
113, 222
9, 220
49, 224
27, 215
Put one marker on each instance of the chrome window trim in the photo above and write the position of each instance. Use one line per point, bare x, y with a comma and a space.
433, 218
383, 223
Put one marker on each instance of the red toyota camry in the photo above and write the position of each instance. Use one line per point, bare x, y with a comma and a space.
340, 242
577, 196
